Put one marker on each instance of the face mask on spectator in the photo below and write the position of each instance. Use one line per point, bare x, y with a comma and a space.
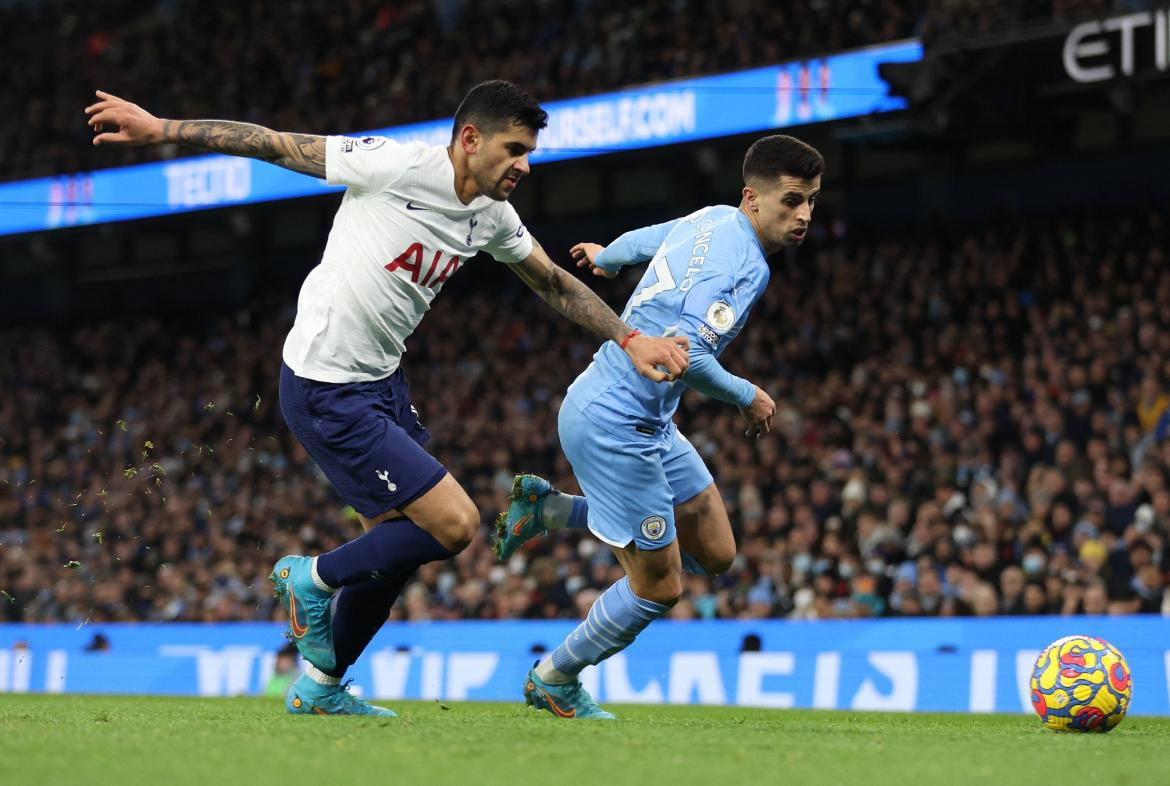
1034, 564
964, 536
801, 563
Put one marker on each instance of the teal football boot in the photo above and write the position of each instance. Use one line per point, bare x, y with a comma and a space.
565, 701
521, 522
310, 617
306, 697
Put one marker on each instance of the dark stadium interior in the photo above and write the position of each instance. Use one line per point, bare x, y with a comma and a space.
970, 355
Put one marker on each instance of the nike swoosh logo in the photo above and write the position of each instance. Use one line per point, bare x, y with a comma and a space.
298, 630
556, 709
413, 206
520, 525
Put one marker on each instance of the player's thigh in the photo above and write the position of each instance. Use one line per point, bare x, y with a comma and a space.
447, 512
654, 574
704, 530
621, 474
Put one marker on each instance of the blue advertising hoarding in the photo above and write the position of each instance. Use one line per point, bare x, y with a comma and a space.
807, 91
923, 665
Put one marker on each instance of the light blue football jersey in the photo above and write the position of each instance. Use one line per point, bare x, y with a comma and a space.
707, 273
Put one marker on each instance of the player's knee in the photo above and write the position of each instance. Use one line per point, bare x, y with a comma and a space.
718, 561
667, 590
461, 529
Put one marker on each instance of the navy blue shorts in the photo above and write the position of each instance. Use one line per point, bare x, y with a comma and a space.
365, 437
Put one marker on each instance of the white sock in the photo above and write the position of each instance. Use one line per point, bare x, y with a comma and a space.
321, 585
551, 674
320, 677
554, 514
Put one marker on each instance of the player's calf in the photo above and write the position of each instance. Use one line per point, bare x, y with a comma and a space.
614, 621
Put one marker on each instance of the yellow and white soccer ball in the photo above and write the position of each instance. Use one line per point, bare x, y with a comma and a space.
1081, 683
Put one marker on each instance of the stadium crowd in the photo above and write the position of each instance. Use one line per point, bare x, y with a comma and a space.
331, 66
969, 423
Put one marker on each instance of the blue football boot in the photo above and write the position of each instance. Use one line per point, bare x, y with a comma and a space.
310, 617
521, 522
307, 697
565, 701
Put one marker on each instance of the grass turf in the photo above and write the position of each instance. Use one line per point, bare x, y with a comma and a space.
72, 740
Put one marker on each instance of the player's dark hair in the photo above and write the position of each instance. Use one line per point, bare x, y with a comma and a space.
496, 104
772, 156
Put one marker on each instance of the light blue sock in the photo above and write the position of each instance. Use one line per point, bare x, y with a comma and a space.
560, 510
616, 618
692, 565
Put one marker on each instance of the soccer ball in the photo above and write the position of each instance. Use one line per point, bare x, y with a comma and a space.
1081, 683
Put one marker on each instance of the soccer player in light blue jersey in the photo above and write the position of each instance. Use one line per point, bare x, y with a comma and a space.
647, 492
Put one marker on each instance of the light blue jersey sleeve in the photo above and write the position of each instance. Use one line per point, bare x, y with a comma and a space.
707, 376
713, 313
637, 245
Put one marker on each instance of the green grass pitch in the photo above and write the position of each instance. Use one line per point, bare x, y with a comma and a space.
76, 740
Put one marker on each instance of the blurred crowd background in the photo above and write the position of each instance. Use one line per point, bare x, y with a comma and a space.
364, 64
972, 421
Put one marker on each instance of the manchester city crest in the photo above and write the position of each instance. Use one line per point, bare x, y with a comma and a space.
654, 527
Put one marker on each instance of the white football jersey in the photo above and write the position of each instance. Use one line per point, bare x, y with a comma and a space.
400, 233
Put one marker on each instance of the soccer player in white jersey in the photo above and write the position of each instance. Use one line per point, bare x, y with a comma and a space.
412, 214
706, 272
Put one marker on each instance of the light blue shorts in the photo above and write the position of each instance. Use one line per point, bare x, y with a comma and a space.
632, 479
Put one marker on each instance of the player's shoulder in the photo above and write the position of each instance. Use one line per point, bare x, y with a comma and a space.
376, 144
731, 238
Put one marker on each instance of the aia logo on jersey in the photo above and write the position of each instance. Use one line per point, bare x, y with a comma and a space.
412, 261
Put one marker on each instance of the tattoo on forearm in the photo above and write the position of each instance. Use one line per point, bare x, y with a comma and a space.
568, 295
298, 152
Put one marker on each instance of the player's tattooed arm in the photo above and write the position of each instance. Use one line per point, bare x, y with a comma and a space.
659, 359
569, 295
116, 121
299, 152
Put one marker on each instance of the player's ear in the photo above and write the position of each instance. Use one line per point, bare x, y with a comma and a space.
751, 198
469, 138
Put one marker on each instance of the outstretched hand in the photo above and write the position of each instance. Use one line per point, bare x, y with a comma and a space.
759, 414
586, 255
116, 121
659, 359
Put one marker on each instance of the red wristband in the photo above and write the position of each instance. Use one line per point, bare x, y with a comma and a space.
626, 340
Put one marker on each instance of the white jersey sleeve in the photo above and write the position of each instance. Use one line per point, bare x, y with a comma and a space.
369, 164
511, 242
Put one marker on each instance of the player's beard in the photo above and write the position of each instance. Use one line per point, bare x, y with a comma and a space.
505, 186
